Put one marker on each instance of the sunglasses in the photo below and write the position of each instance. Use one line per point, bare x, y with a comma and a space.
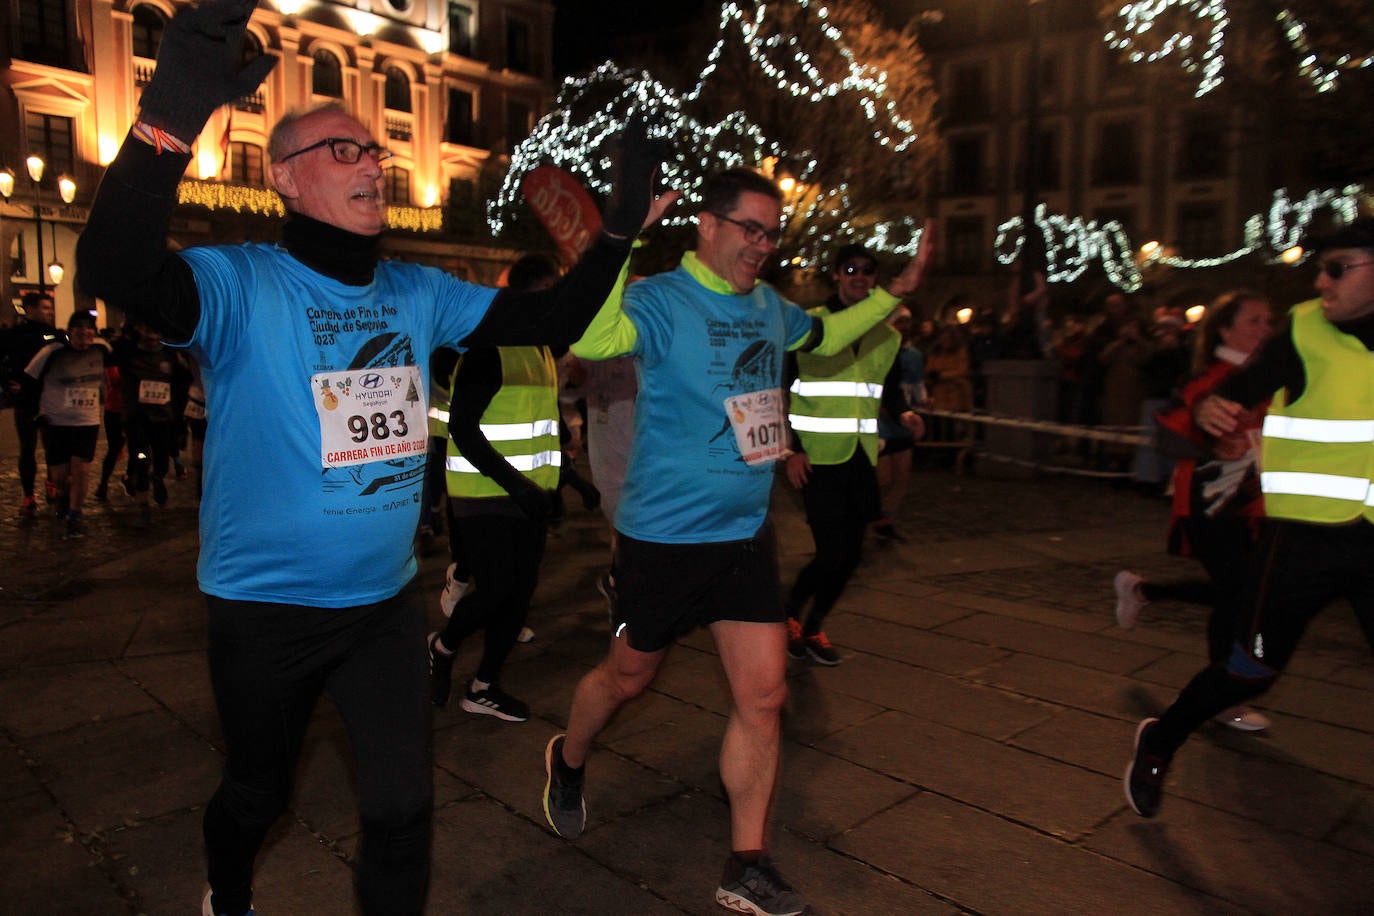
344, 150
865, 269
753, 232
1336, 269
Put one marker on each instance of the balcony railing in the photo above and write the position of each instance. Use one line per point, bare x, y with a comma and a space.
399, 127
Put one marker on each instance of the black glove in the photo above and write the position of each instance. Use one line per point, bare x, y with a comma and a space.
198, 67
638, 160
532, 500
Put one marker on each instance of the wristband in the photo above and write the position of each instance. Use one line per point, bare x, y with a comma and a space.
160, 140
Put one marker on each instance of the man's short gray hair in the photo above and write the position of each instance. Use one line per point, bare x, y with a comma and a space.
283, 141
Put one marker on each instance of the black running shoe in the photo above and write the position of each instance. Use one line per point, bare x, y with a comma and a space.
1144, 780
564, 807
757, 889
493, 701
440, 673
159, 491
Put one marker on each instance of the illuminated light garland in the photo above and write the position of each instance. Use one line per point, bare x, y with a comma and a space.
1071, 244
1322, 69
1139, 18
212, 195
590, 112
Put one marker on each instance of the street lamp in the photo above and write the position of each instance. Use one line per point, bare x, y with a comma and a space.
66, 188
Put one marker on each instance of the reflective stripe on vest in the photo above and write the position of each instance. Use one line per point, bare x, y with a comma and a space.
437, 413
1298, 483
522, 463
836, 389
829, 425
510, 432
1308, 429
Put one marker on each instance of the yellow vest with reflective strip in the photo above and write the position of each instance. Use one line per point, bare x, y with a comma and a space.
438, 410
1318, 458
835, 399
521, 423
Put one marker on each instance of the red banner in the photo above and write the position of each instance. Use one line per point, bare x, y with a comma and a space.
564, 207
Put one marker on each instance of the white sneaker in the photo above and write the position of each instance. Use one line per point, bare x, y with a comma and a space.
205, 906
1129, 598
1244, 719
454, 590
526, 635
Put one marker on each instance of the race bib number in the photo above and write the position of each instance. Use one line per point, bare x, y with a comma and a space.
82, 398
152, 392
195, 410
370, 415
760, 428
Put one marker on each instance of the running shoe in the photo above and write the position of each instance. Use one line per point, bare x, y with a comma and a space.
1244, 719
159, 491
454, 590
206, 910
493, 701
564, 807
76, 527
29, 508
526, 635
1144, 780
102, 493
821, 651
757, 889
440, 672
1129, 598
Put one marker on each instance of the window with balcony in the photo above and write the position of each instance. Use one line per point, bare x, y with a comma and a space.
460, 126
519, 48
45, 33
397, 91
967, 165
147, 30
53, 138
326, 77
397, 183
1049, 168
1118, 153
966, 243
245, 164
460, 29
1202, 148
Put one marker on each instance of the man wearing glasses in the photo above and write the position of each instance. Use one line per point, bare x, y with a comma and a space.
833, 412
315, 357
1317, 469
693, 549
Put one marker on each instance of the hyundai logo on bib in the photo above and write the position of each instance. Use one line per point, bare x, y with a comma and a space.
371, 380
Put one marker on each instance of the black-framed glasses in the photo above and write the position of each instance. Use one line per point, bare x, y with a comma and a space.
753, 232
345, 150
1336, 269
867, 268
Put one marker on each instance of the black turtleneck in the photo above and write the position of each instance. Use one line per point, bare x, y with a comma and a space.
345, 256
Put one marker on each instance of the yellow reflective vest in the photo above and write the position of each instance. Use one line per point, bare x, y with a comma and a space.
521, 423
835, 399
1318, 452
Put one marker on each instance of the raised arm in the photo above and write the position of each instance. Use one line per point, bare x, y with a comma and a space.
122, 255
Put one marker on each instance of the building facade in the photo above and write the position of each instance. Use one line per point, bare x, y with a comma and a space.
449, 87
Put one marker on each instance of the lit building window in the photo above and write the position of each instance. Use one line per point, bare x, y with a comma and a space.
327, 76
245, 164
147, 31
397, 89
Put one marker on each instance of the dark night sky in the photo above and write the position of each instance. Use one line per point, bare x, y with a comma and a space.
586, 32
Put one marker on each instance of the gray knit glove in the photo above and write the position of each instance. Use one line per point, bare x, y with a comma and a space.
198, 67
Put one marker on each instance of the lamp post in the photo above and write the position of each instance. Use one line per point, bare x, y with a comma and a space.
66, 188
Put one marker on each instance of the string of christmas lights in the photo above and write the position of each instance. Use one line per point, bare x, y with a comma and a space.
1140, 18
212, 195
1073, 243
590, 112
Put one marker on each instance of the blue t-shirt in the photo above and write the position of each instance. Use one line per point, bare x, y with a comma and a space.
686, 482
315, 401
